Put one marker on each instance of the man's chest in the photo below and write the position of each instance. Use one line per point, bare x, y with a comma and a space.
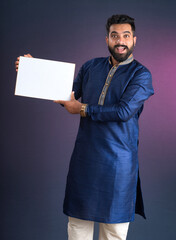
105, 86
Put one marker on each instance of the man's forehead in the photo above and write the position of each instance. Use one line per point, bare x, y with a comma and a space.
120, 28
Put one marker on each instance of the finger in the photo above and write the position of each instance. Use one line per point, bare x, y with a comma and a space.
59, 101
29, 55
73, 95
17, 60
16, 65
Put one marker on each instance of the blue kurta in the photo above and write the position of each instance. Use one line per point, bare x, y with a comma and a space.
103, 182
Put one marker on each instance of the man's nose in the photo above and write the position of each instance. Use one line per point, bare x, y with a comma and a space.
119, 39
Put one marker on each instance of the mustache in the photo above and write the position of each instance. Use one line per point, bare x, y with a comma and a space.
119, 45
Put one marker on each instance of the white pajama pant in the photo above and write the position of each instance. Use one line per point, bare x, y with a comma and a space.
83, 230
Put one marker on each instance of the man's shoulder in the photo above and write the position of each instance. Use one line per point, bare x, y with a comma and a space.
140, 67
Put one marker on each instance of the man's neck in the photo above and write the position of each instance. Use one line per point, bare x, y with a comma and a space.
115, 62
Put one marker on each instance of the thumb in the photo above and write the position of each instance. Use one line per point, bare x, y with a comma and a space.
72, 96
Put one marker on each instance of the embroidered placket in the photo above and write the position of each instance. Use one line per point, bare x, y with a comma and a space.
109, 78
106, 86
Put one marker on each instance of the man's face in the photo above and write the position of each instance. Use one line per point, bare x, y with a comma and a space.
120, 41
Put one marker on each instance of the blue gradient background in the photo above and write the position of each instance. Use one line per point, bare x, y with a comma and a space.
37, 136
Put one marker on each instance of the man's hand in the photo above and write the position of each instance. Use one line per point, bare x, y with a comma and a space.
18, 59
73, 106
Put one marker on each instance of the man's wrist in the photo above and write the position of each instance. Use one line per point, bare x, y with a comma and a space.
83, 111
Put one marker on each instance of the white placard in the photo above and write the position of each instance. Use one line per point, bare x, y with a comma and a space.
45, 79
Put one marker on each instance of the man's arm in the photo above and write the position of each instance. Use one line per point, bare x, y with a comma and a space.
138, 90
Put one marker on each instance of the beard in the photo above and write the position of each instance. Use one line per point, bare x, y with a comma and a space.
120, 57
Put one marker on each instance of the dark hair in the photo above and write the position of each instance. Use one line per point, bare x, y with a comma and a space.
120, 19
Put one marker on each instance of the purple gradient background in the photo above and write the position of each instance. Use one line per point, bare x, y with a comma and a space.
37, 136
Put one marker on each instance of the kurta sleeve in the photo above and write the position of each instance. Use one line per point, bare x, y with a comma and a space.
83, 74
138, 90
77, 84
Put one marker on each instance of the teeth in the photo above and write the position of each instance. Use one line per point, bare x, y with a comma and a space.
121, 49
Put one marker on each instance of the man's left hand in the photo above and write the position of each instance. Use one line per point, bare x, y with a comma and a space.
73, 106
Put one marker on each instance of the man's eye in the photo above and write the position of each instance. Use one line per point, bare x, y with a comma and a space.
114, 36
126, 36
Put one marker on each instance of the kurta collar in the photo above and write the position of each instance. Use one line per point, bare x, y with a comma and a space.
127, 61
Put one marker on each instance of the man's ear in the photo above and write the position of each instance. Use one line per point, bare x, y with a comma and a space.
107, 40
135, 38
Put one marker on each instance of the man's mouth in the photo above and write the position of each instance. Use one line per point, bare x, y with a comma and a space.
121, 49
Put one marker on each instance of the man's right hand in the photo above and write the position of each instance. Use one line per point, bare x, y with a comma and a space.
18, 59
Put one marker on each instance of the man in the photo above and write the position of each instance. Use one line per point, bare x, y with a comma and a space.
103, 175
103, 182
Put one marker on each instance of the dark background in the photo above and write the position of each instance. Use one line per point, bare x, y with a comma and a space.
37, 136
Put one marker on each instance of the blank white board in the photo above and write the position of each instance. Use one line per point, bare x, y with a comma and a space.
45, 79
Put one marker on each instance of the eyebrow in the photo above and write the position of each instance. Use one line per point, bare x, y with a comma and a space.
122, 32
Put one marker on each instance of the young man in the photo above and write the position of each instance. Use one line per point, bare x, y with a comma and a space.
103, 181
103, 177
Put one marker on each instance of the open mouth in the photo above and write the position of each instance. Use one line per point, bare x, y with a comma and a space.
121, 49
